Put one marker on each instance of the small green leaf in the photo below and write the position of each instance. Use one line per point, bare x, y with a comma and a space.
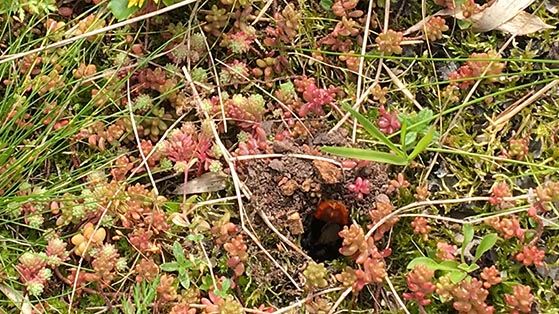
422, 144
486, 244
169, 2
173, 207
184, 279
448, 265
422, 119
433, 265
366, 154
373, 130
417, 122
120, 9
457, 276
225, 286
169, 267
468, 268
468, 232
410, 138
425, 261
463, 266
207, 283
472, 267
195, 237
326, 4
464, 24
178, 253
188, 264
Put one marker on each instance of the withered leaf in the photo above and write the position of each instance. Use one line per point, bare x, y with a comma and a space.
208, 182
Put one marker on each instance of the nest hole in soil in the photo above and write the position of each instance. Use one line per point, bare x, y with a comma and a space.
289, 190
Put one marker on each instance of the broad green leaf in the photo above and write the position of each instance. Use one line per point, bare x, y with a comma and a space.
464, 24
178, 253
446, 267
468, 232
410, 138
173, 207
463, 266
120, 9
168, 267
373, 130
486, 244
422, 119
431, 264
184, 279
449, 265
472, 267
366, 154
422, 144
188, 264
326, 4
225, 286
468, 268
417, 122
457, 276
425, 261
207, 283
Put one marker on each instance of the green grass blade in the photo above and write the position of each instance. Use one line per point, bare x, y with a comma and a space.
422, 144
404, 130
373, 130
366, 154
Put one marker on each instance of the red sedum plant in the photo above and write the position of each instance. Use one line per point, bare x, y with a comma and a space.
420, 285
521, 299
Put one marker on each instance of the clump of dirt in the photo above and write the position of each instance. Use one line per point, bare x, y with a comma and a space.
289, 189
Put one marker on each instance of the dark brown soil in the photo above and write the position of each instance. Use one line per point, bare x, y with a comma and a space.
284, 186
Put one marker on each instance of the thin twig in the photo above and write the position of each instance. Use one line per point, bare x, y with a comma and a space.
216, 78
210, 266
262, 12
504, 118
362, 56
281, 236
301, 156
339, 301
468, 220
402, 87
138, 142
437, 202
396, 295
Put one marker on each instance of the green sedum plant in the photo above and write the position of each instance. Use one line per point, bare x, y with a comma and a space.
458, 271
182, 265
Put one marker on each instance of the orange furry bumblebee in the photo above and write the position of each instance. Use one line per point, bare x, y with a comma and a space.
333, 212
